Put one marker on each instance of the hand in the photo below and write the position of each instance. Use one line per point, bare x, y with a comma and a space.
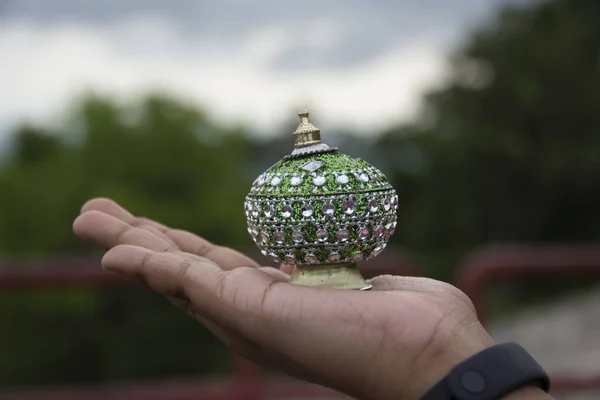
393, 342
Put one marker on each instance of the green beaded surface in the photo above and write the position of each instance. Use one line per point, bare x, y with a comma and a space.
335, 162
273, 190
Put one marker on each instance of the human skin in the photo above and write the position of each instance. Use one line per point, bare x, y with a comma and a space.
392, 342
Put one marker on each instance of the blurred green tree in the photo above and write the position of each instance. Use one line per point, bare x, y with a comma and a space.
507, 150
159, 157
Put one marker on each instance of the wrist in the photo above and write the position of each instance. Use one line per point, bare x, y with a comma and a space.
450, 346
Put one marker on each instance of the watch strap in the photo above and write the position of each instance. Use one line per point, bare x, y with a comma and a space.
490, 375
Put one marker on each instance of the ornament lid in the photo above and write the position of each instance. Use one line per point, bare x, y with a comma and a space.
308, 138
306, 134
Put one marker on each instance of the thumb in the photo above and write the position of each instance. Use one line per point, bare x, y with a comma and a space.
420, 284
412, 283
288, 269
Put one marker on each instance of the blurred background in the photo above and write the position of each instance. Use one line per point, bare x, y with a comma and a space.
484, 115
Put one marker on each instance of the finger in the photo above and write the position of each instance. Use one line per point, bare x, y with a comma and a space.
232, 340
288, 269
224, 256
183, 303
110, 207
223, 297
108, 232
188, 242
107, 206
229, 338
412, 283
395, 282
275, 273
166, 273
152, 229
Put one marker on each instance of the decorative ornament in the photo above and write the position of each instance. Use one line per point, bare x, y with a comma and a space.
321, 211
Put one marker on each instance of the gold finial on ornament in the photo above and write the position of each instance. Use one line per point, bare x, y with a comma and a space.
306, 134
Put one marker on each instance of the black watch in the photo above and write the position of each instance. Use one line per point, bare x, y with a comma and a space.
490, 375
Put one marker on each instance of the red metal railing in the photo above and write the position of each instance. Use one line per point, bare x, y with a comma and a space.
476, 272
204, 390
247, 383
493, 264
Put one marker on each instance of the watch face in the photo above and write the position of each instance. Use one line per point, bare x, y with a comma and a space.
472, 382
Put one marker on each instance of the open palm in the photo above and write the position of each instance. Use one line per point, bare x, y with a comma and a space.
392, 342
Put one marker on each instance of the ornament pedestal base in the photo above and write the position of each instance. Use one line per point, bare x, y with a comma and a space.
330, 276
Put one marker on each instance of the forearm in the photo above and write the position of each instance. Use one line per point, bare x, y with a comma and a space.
528, 393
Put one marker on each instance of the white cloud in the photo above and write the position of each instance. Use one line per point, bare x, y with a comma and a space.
42, 67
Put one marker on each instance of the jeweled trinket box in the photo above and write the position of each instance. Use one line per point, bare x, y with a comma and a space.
321, 211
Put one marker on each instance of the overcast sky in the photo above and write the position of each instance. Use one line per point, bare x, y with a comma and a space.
355, 64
